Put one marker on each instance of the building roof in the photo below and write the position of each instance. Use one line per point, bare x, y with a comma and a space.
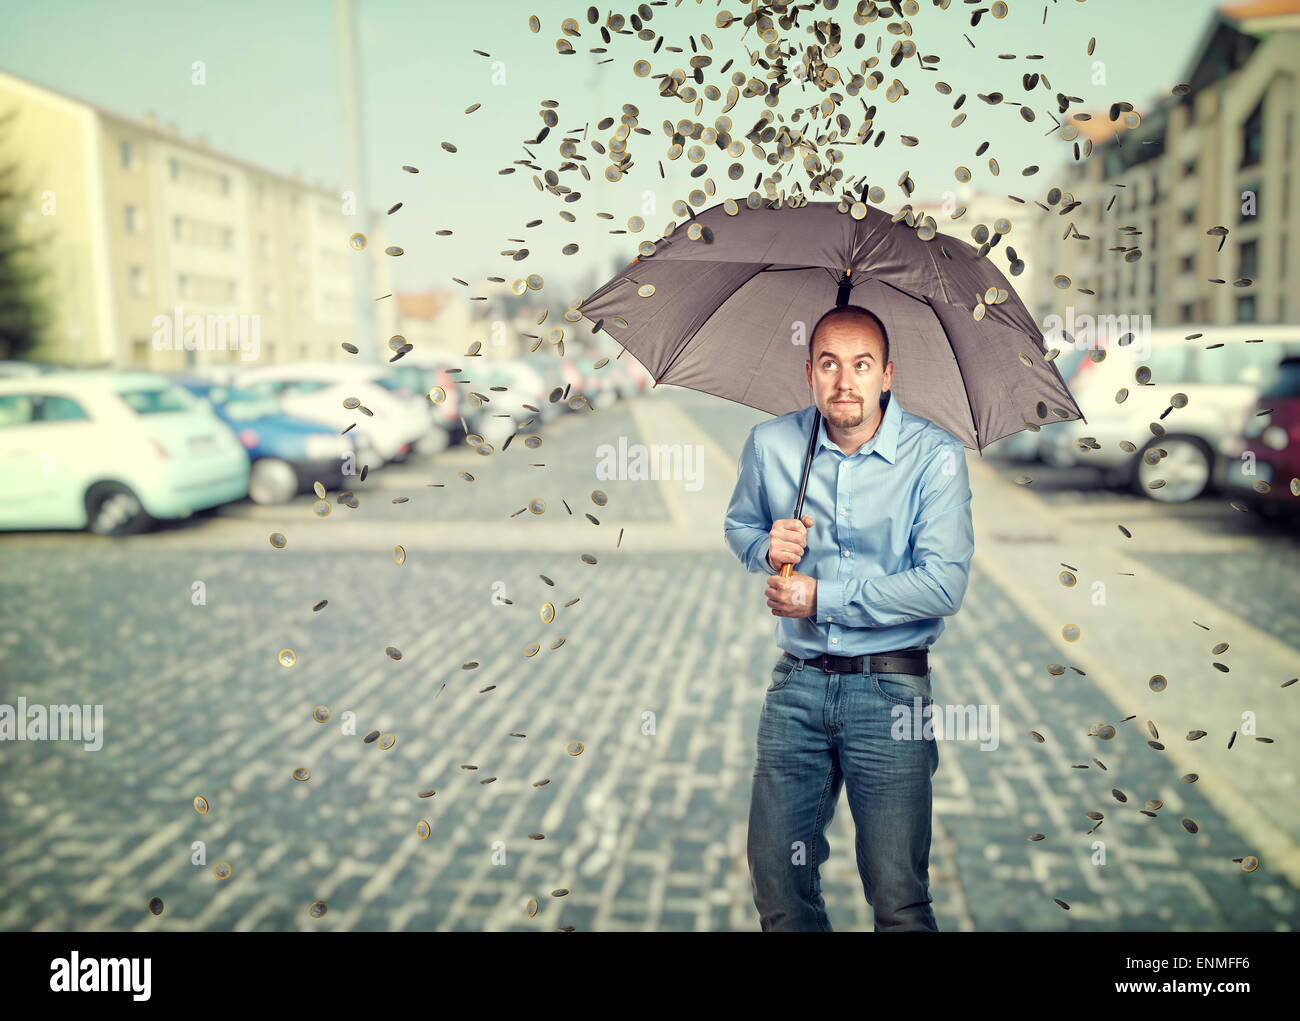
422, 304
174, 139
1251, 9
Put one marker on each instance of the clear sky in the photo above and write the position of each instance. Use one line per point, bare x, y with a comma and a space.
271, 97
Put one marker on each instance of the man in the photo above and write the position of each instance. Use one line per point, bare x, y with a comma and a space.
883, 553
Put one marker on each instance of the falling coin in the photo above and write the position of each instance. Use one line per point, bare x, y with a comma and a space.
1070, 632
1190, 826
221, 869
532, 442
201, 804
1037, 836
437, 395
530, 909
1036, 736
587, 558
1157, 682
422, 829
357, 241
287, 658
548, 613
1248, 864
537, 505
371, 738
574, 748
399, 555
156, 905
560, 892
278, 540
531, 649
393, 652
1067, 579
646, 290
599, 498
317, 909
1060, 903
321, 713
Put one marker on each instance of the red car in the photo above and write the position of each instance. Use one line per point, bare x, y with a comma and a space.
1274, 440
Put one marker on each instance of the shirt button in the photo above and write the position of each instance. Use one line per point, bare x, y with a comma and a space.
846, 553
835, 641
843, 512
829, 619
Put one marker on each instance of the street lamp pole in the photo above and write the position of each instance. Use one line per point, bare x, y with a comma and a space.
355, 167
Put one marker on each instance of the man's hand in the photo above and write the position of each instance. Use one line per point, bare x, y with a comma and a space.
795, 596
789, 539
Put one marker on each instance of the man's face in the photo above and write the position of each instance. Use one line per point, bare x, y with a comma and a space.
846, 375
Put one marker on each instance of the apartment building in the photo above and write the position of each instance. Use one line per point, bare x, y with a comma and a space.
1223, 155
148, 229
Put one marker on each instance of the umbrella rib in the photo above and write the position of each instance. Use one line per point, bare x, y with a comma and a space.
979, 446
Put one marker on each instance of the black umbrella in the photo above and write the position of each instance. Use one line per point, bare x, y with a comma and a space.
723, 305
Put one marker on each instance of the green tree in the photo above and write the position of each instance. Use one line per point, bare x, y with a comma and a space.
23, 313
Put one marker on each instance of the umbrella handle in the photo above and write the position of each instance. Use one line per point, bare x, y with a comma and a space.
786, 569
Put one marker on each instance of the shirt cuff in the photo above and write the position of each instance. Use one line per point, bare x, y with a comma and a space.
830, 602
763, 562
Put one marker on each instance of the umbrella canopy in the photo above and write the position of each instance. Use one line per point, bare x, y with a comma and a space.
731, 316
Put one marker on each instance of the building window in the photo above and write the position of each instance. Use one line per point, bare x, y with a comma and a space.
1252, 139
1189, 168
135, 280
1189, 215
1186, 264
225, 184
1246, 309
130, 220
125, 153
139, 351
183, 285
178, 228
174, 168
1248, 259
1187, 312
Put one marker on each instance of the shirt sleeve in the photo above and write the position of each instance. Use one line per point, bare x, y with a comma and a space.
943, 542
748, 523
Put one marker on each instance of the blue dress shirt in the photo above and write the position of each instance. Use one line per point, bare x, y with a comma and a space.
892, 538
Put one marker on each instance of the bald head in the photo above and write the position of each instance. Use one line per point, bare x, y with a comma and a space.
852, 318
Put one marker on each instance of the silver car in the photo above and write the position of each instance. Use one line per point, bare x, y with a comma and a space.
1168, 445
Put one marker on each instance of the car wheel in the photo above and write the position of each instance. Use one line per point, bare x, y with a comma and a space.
272, 481
113, 509
1185, 470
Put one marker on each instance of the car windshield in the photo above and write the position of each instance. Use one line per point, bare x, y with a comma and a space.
1287, 383
157, 401
1242, 364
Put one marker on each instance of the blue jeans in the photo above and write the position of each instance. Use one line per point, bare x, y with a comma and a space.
816, 732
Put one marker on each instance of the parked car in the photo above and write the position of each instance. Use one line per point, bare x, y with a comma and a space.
420, 374
1272, 436
1220, 384
317, 390
110, 451
288, 454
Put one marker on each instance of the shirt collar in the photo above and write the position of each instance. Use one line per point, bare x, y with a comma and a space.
884, 442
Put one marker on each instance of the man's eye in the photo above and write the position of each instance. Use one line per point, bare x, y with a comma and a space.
862, 366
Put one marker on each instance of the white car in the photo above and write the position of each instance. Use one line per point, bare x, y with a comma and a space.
1219, 384
317, 390
109, 450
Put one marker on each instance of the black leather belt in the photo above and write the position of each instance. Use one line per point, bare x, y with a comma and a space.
904, 661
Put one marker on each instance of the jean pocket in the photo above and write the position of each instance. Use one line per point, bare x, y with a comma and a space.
902, 689
782, 672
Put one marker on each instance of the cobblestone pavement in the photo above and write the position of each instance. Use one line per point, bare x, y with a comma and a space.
661, 676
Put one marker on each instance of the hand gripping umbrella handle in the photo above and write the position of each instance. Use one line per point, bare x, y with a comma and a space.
786, 569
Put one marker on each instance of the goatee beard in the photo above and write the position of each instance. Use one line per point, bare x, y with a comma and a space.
844, 419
